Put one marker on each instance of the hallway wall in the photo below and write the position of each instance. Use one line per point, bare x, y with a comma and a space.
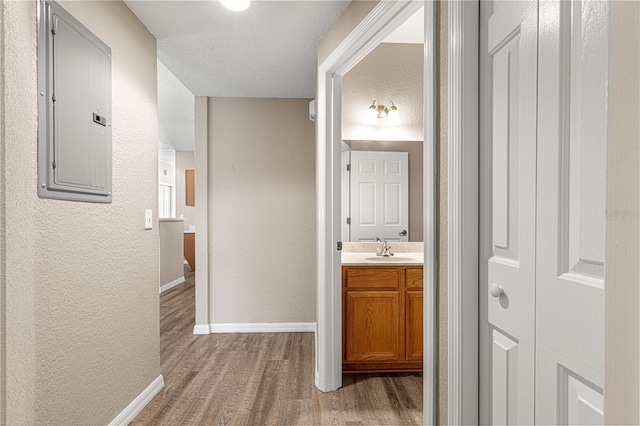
80, 279
622, 292
262, 260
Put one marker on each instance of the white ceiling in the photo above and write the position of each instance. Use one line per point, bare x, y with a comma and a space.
268, 51
175, 112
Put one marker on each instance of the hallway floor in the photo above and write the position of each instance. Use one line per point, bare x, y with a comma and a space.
262, 379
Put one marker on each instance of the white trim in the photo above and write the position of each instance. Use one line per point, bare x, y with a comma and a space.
463, 356
201, 167
132, 410
172, 284
201, 329
385, 17
264, 327
430, 175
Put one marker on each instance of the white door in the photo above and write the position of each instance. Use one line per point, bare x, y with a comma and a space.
572, 158
164, 201
379, 196
546, 135
512, 55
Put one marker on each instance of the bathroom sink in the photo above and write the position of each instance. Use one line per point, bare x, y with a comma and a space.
392, 259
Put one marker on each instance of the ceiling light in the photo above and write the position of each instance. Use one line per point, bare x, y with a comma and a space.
376, 111
236, 5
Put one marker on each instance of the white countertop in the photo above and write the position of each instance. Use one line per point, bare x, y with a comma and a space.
169, 219
189, 231
370, 259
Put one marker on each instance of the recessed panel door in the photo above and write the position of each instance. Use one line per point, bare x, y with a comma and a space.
572, 158
379, 196
511, 62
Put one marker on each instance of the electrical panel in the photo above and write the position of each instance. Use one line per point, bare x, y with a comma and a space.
74, 109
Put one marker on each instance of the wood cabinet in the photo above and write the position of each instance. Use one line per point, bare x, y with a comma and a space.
190, 187
190, 249
382, 318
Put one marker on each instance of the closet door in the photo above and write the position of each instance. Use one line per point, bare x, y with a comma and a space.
511, 63
570, 241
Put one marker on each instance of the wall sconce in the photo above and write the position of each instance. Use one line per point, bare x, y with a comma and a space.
381, 111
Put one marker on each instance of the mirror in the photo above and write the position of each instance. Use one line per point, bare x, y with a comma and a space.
382, 148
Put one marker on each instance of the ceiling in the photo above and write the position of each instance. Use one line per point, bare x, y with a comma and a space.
268, 51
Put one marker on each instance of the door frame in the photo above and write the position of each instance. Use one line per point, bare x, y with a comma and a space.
463, 213
378, 24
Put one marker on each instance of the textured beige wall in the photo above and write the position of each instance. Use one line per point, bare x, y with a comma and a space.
184, 161
349, 19
81, 278
622, 298
171, 251
262, 211
18, 218
391, 72
416, 164
170, 176
3, 331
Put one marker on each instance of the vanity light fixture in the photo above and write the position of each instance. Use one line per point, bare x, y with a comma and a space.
377, 111
236, 5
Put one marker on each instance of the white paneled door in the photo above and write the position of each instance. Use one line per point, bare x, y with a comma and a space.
512, 50
379, 196
570, 243
545, 78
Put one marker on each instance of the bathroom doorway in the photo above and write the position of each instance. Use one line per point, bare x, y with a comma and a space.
384, 20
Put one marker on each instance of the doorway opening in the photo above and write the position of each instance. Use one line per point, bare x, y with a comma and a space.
379, 24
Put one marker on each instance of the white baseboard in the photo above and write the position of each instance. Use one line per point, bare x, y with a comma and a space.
201, 329
141, 401
172, 284
265, 327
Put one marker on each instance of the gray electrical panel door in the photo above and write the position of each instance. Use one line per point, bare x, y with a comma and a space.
74, 136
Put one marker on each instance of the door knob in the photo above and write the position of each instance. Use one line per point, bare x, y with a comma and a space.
403, 233
496, 290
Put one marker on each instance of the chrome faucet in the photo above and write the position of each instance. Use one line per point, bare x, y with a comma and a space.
385, 250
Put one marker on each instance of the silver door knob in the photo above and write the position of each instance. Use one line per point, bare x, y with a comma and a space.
496, 290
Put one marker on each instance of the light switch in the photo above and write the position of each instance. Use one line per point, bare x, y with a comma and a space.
148, 219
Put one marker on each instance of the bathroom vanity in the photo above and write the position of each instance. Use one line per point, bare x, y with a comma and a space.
382, 312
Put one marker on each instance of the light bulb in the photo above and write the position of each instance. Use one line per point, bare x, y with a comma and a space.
236, 5
394, 116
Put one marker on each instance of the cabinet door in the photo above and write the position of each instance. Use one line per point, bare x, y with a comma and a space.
413, 325
190, 187
372, 326
190, 249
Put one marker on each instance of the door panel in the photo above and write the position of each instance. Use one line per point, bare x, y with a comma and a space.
512, 60
505, 374
379, 195
571, 212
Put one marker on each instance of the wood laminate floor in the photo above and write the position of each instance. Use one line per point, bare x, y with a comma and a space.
262, 379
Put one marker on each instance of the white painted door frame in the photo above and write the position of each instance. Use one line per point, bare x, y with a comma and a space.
382, 20
463, 213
